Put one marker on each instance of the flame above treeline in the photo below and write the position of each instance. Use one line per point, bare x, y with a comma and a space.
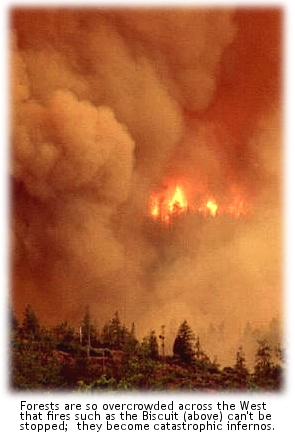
166, 205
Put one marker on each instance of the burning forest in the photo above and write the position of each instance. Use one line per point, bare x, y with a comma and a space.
146, 168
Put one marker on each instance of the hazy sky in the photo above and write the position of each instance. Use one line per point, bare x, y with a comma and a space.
111, 106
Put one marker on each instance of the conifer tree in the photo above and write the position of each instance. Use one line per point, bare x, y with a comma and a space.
30, 325
183, 343
114, 333
150, 347
240, 368
201, 359
263, 367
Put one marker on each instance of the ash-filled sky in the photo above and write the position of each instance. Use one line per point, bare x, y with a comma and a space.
109, 106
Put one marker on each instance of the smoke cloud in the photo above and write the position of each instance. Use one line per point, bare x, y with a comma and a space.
108, 105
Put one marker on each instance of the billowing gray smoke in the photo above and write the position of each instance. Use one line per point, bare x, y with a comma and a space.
106, 106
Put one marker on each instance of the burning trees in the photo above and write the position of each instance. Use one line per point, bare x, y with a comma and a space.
131, 161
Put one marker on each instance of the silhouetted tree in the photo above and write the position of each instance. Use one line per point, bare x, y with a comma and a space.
264, 369
240, 365
33, 364
150, 347
14, 323
262, 358
53, 358
65, 338
202, 361
88, 332
114, 334
183, 343
240, 369
130, 341
30, 325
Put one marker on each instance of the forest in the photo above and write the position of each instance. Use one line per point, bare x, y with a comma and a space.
60, 358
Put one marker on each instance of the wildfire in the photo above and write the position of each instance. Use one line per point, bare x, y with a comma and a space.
167, 205
210, 207
164, 208
178, 203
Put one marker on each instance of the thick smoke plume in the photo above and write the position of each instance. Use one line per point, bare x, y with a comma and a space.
108, 105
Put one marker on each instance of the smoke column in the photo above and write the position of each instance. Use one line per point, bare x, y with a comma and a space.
106, 105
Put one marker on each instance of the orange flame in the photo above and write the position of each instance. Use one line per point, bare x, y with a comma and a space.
166, 206
178, 202
211, 208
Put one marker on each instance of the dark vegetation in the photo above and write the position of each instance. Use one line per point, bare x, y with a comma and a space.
59, 358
